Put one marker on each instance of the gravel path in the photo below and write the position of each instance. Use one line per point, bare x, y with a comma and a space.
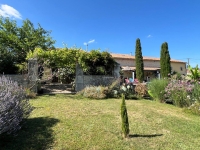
56, 88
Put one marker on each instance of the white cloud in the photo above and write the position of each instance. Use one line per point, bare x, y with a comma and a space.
149, 36
8, 11
91, 41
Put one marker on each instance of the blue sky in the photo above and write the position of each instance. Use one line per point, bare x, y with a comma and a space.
114, 25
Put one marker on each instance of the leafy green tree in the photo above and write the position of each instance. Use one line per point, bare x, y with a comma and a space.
19, 40
30, 38
194, 73
139, 61
124, 116
97, 63
6, 61
165, 65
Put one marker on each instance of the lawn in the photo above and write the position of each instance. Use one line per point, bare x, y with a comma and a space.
66, 122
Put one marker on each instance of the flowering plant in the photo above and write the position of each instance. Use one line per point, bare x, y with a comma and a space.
179, 92
14, 105
65, 74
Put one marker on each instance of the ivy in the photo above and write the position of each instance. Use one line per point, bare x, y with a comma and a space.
94, 62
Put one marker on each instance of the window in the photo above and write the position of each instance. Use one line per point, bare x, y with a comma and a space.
181, 68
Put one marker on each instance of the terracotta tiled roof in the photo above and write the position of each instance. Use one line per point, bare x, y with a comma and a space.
128, 68
126, 56
145, 68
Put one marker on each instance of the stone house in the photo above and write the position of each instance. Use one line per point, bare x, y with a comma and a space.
151, 66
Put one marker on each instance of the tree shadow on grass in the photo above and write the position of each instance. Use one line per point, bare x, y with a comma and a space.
147, 136
36, 134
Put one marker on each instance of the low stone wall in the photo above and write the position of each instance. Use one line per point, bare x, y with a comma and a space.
23, 81
82, 80
93, 80
20, 79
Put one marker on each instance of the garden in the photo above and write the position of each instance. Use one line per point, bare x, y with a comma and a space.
161, 114
167, 117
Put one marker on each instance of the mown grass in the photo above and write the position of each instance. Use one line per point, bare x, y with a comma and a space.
66, 122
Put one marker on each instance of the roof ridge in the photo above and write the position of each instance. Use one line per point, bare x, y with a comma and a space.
128, 56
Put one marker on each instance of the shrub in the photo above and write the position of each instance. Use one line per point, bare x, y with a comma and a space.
30, 94
194, 73
97, 92
194, 108
156, 89
141, 89
128, 91
179, 92
196, 92
177, 76
124, 116
101, 92
113, 89
14, 106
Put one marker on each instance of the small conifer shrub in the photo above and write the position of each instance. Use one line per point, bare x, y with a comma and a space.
14, 106
124, 116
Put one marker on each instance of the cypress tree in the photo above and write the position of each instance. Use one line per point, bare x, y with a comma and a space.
124, 116
139, 61
165, 65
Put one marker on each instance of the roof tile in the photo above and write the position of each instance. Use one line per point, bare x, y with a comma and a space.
126, 56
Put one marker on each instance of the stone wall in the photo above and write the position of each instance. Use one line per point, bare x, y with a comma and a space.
93, 80
27, 80
82, 80
20, 79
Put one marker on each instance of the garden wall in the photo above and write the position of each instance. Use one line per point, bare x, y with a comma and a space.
27, 80
21, 79
82, 80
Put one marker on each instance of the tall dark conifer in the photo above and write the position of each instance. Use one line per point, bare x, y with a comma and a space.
139, 61
165, 65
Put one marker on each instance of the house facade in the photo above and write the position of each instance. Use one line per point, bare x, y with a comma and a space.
151, 66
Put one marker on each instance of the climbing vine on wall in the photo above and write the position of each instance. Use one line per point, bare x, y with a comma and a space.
94, 62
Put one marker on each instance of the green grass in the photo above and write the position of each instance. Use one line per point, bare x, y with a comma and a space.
65, 122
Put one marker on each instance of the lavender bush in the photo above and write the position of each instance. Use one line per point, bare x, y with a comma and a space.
179, 92
14, 106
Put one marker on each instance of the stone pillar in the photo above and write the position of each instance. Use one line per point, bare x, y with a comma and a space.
133, 76
32, 74
79, 81
158, 75
116, 71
